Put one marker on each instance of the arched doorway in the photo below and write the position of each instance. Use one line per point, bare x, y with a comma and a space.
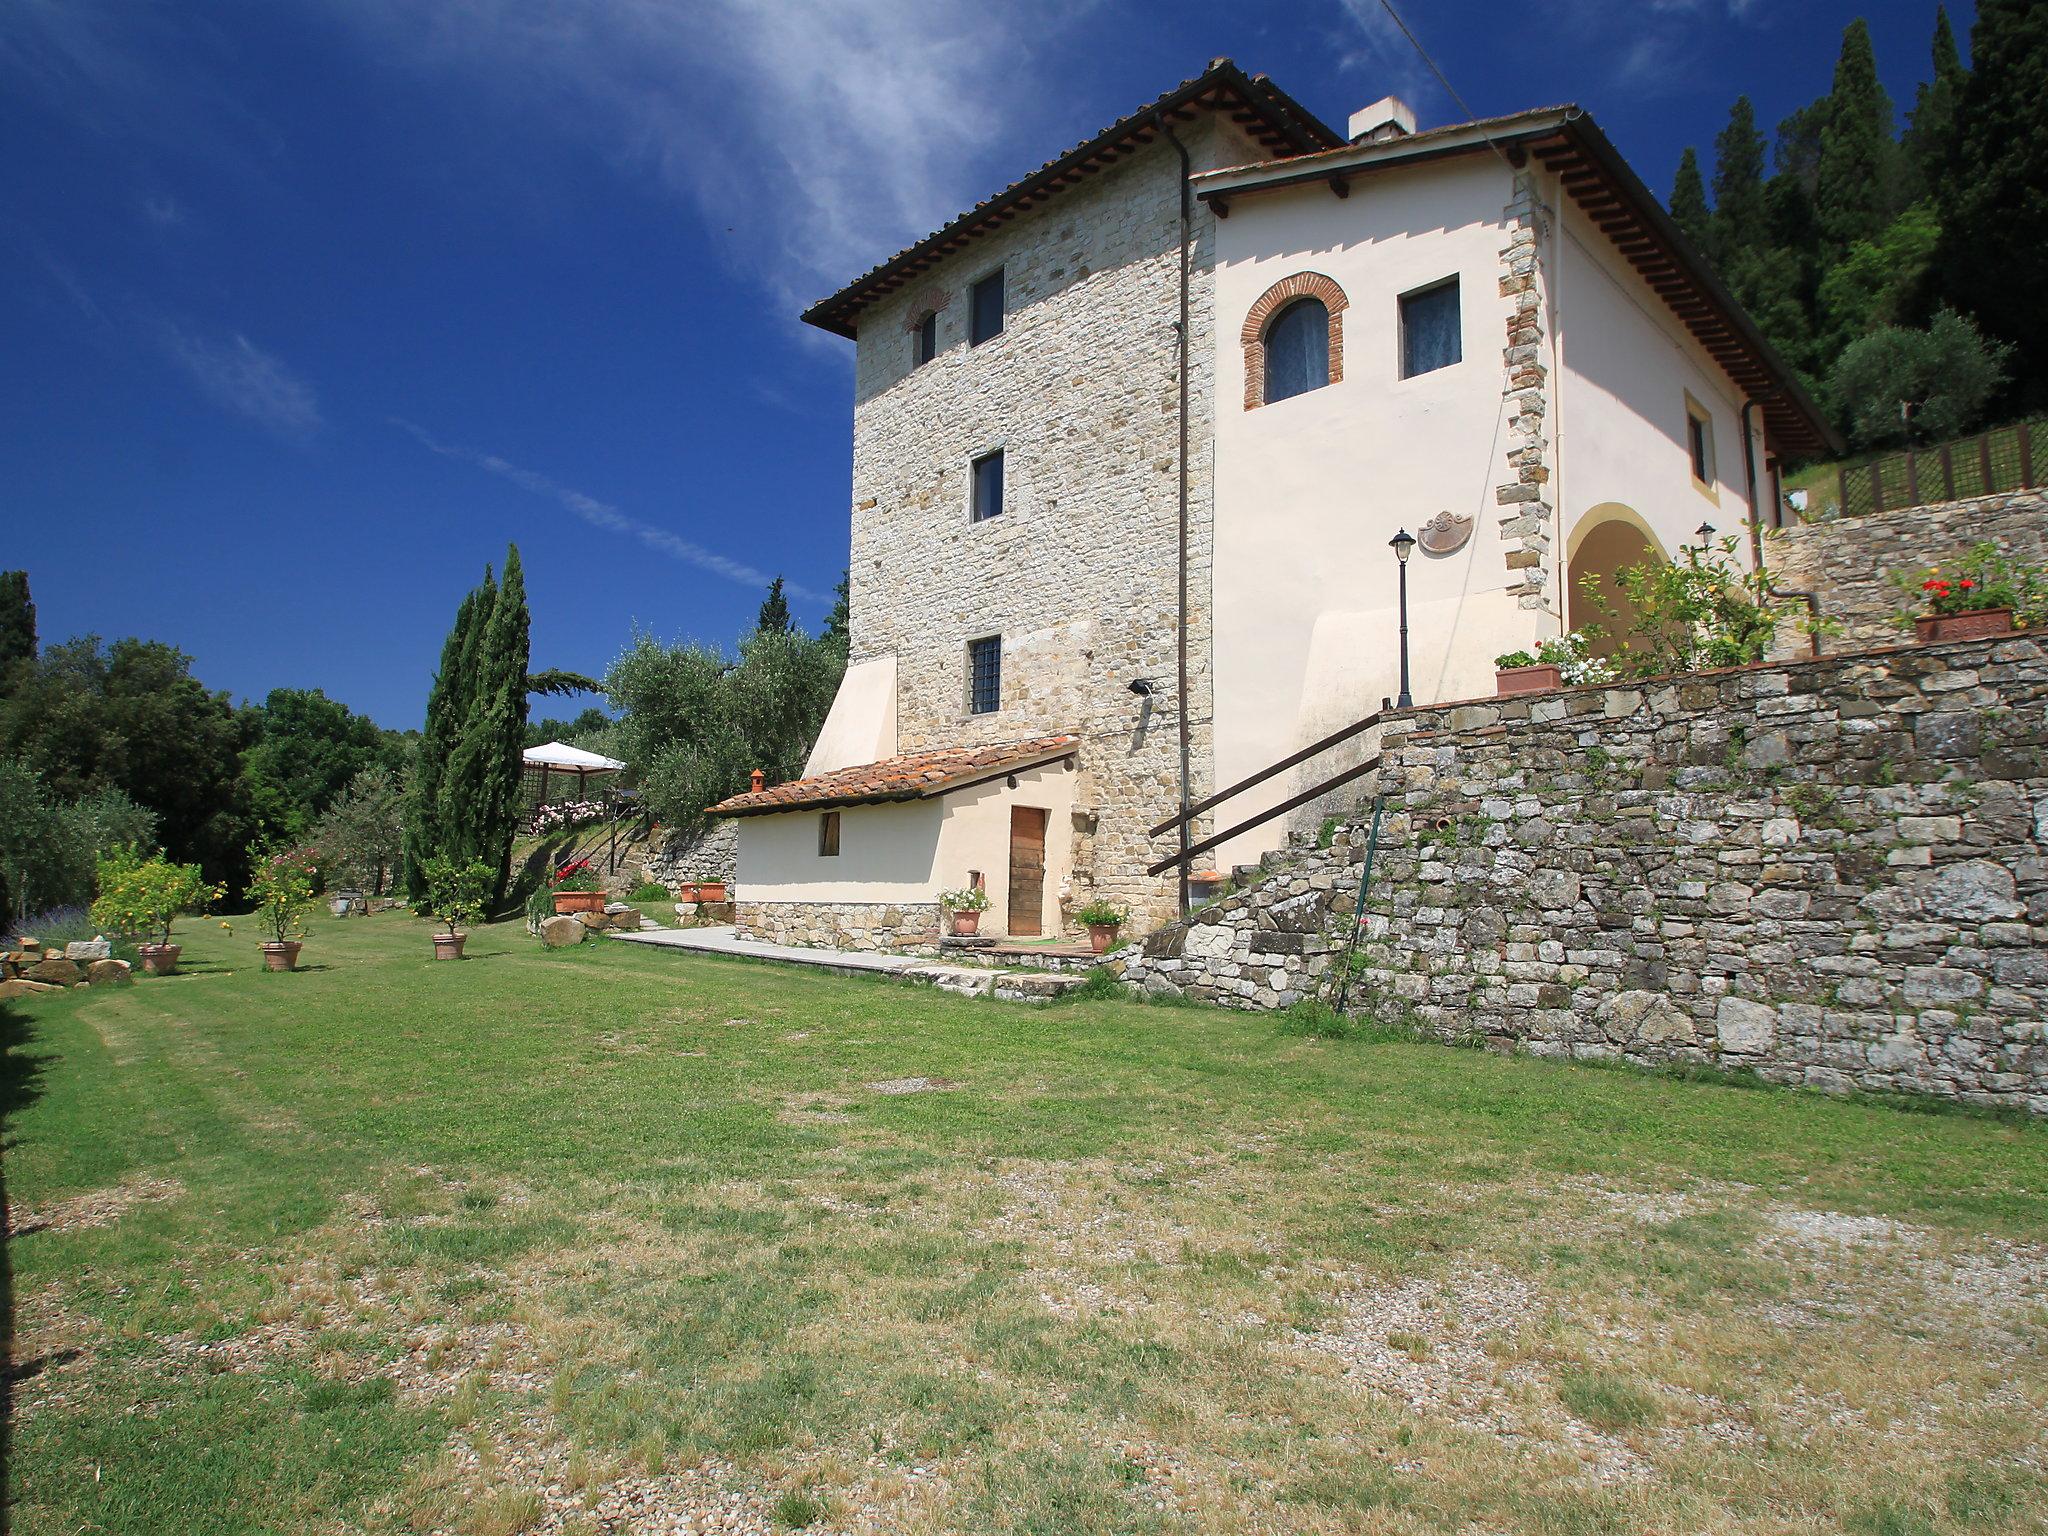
1607, 538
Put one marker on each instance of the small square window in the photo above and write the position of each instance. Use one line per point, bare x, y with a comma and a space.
985, 318
828, 835
1431, 329
988, 487
1699, 441
985, 675
924, 343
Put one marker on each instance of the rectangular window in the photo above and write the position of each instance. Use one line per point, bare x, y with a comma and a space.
988, 486
1432, 334
924, 345
1699, 441
986, 315
828, 835
985, 675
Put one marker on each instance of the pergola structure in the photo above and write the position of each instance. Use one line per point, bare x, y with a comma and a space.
555, 757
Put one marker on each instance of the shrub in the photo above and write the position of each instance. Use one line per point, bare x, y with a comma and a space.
455, 893
143, 897
578, 876
648, 892
1099, 985
969, 898
1101, 914
281, 890
1699, 611
1982, 579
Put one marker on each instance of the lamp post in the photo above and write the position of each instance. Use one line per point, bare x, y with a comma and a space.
1705, 534
1402, 543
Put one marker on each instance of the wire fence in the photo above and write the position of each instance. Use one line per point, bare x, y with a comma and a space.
2005, 458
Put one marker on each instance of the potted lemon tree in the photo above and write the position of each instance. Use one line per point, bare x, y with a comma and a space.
281, 888
455, 895
143, 897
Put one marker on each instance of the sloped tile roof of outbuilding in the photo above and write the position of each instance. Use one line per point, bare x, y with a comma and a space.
916, 776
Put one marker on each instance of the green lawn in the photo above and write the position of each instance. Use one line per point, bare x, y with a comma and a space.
617, 1239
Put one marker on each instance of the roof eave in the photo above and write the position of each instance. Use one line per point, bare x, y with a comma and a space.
834, 313
1516, 135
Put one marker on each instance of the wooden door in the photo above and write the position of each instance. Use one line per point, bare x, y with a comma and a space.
1027, 871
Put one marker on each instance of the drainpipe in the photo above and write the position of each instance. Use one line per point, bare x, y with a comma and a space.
1756, 532
1187, 214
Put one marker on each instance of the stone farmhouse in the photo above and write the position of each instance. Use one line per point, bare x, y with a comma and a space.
1132, 438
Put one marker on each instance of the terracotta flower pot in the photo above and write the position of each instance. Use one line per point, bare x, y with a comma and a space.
159, 959
1508, 681
579, 901
1980, 624
1102, 935
701, 890
966, 924
448, 946
282, 956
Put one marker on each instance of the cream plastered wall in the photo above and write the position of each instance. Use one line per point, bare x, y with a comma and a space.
861, 725
1626, 368
1309, 490
909, 851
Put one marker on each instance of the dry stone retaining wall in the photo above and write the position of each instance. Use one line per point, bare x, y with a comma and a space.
891, 927
707, 854
1848, 561
1832, 872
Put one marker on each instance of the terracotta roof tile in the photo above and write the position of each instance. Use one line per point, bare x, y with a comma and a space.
1280, 121
913, 777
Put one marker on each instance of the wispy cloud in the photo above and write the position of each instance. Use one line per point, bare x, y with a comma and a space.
815, 136
163, 210
73, 288
602, 514
240, 376
1389, 57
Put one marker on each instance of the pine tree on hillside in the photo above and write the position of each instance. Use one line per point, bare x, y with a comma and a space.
474, 800
1739, 184
1993, 191
1855, 195
17, 621
1689, 200
1930, 133
774, 616
447, 710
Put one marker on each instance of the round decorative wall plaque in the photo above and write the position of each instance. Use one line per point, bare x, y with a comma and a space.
1445, 534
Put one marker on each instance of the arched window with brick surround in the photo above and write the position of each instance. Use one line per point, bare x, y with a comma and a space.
1293, 339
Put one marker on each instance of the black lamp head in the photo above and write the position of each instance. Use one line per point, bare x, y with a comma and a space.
1402, 543
1141, 686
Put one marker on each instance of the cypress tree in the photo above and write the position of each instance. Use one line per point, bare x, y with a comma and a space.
479, 797
1855, 194
774, 616
839, 622
17, 621
1993, 191
1739, 183
447, 710
1689, 200
1930, 129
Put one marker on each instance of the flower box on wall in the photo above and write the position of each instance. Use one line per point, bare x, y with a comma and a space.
579, 901
1977, 624
1537, 679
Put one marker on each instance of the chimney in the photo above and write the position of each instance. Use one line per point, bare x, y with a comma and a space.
760, 780
1388, 118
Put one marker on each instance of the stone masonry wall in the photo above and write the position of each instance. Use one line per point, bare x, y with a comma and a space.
1832, 872
891, 927
1079, 573
710, 853
1848, 561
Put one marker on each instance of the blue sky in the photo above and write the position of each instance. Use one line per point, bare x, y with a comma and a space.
310, 306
